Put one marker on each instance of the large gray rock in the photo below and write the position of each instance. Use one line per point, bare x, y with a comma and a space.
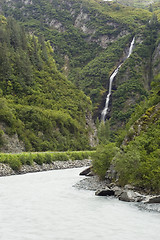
131, 196
153, 199
105, 192
117, 191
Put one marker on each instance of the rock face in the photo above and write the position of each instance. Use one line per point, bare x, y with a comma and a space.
12, 143
93, 140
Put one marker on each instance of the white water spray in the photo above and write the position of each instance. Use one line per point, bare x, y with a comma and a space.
105, 110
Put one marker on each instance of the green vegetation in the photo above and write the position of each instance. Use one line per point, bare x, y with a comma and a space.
37, 101
136, 157
16, 161
139, 163
77, 35
103, 157
138, 3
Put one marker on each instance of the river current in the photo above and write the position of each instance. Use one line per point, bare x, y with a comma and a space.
46, 206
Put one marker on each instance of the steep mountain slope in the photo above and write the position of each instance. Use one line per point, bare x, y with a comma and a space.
135, 76
139, 163
89, 37
134, 156
138, 3
37, 102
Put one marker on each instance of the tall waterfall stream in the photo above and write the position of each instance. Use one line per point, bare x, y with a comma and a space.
105, 110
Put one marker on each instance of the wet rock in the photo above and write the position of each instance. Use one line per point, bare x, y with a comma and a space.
86, 172
131, 196
104, 192
153, 199
117, 191
90, 174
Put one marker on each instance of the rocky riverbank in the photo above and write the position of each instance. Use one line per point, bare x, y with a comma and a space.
128, 193
6, 170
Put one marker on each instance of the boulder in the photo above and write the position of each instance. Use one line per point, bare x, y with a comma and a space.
153, 199
105, 192
117, 191
131, 196
86, 172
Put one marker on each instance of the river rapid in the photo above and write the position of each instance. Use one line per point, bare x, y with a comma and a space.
45, 206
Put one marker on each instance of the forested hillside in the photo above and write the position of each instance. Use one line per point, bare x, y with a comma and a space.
89, 39
37, 102
138, 3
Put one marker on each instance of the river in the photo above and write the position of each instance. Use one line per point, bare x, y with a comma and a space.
45, 206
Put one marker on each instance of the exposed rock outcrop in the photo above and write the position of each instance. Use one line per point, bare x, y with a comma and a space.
12, 143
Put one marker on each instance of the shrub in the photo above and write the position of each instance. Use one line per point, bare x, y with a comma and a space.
48, 158
103, 157
26, 159
14, 162
39, 159
60, 157
1, 138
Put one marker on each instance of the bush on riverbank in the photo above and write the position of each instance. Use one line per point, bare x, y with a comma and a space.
102, 158
15, 161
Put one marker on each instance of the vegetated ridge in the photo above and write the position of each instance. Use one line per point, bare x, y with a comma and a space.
38, 105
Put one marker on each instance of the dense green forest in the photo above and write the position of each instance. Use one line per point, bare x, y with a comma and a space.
37, 102
56, 58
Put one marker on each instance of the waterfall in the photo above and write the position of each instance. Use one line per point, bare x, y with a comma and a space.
105, 110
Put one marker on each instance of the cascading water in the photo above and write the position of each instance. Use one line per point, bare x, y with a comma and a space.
105, 110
